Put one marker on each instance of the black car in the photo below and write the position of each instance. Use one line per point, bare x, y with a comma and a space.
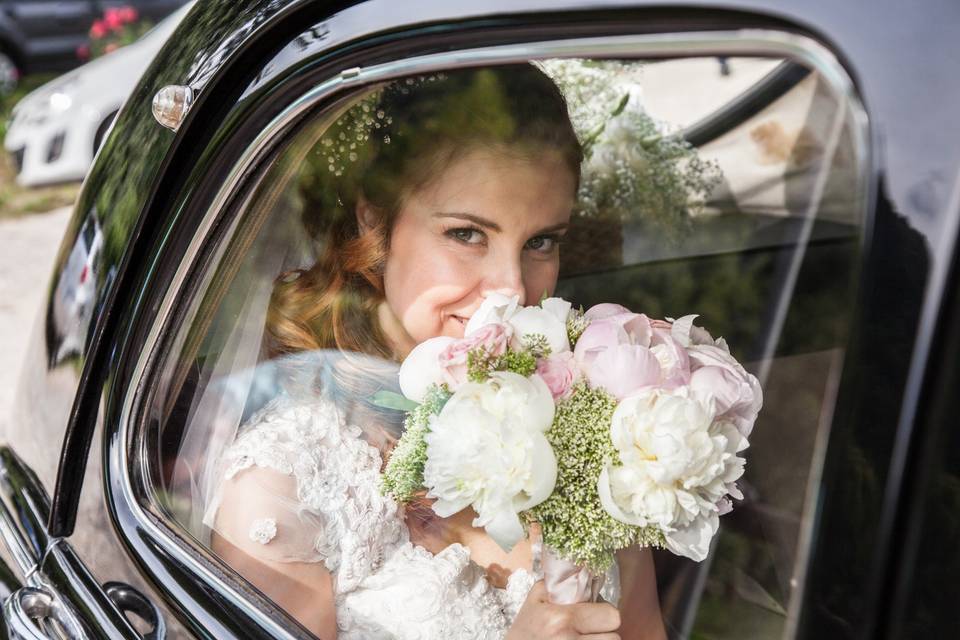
786, 170
44, 36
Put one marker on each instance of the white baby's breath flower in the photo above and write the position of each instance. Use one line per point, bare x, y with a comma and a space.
487, 449
676, 465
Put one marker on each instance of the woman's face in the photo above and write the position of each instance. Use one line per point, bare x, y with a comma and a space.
490, 222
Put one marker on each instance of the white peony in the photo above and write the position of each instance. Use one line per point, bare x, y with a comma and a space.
549, 321
676, 466
421, 368
495, 308
487, 450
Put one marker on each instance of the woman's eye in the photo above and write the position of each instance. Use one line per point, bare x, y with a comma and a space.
466, 235
543, 244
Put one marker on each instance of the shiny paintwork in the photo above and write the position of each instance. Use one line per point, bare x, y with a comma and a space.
148, 187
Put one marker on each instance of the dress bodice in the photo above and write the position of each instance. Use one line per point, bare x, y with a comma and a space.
333, 511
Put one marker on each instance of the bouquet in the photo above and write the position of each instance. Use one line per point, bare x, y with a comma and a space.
606, 428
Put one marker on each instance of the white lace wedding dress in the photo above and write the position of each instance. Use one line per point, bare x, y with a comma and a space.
332, 511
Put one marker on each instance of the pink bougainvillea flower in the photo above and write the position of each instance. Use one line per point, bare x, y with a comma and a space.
98, 30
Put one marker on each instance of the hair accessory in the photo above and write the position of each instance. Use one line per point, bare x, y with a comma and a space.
347, 140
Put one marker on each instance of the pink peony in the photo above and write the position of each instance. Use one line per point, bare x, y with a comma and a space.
492, 338
673, 358
623, 369
661, 324
621, 328
560, 372
718, 377
613, 351
604, 310
596, 338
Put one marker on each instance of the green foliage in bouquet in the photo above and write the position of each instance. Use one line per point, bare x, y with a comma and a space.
481, 364
572, 520
403, 477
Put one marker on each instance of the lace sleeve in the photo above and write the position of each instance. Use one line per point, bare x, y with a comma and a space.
300, 485
259, 514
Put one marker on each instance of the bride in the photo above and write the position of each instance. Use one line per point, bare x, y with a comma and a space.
468, 192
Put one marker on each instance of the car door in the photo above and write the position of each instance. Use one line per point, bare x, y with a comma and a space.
787, 271
770, 255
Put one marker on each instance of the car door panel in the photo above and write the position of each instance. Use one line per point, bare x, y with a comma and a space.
56, 593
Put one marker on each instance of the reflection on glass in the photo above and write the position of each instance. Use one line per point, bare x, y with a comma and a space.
75, 295
389, 220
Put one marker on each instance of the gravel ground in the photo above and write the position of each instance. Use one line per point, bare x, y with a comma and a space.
29, 245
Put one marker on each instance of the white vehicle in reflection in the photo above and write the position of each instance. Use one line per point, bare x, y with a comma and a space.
56, 129
69, 315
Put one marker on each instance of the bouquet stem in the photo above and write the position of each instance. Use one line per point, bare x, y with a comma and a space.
568, 583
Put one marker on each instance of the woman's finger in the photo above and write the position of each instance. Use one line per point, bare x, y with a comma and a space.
595, 618
601, 636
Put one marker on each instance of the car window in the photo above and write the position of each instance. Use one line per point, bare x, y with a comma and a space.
386, 219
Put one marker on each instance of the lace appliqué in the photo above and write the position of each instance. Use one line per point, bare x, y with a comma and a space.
417, 595
386, 588
263, 530
337, 478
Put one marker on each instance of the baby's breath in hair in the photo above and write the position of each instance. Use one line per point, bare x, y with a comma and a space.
573, 521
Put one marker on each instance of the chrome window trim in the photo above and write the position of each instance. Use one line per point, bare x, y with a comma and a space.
745, 42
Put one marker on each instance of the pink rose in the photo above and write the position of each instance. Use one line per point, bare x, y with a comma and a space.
559, 371
492, 338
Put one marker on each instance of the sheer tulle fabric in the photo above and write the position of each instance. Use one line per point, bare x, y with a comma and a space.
300, 484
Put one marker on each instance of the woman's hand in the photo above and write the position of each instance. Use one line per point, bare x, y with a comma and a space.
541, 619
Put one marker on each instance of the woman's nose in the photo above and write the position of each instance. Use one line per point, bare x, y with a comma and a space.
505, 277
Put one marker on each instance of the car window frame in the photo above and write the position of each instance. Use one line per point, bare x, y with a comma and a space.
126, 475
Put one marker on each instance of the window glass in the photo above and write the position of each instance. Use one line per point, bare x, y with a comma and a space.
723, 187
